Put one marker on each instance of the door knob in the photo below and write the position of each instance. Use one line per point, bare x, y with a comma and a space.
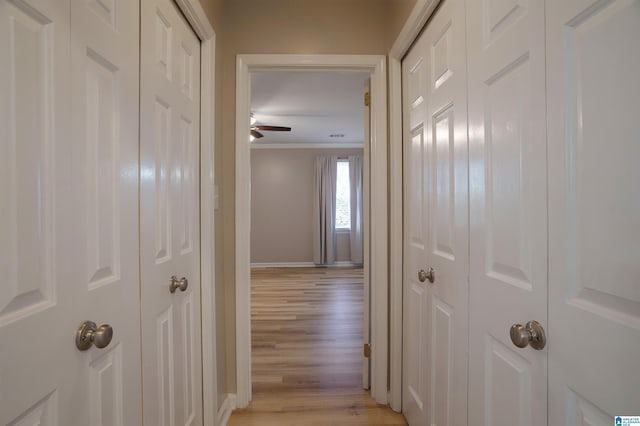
429, 274
531, 334
176, 283
89, 334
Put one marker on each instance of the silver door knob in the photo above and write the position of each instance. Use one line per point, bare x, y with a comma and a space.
429, 274
89, 334
176, 283
531, 334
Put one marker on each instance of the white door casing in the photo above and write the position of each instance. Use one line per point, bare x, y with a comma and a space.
72, 214
170, 216
594, 210
378, 278
508, 209
366, 321
436, 222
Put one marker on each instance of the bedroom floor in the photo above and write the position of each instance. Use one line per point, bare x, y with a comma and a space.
306, 326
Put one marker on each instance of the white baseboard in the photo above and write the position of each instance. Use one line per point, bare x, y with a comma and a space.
284, 265
345, 263
340, 264
301, 265
226, 409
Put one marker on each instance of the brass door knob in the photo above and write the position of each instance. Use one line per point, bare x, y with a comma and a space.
176, 283
531, 334
89, 334
429, 274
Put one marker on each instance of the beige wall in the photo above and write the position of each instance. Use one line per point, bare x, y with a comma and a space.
398, 16
282, 190
213, 9
276, 26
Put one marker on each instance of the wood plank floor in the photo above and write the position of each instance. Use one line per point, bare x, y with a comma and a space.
307, 351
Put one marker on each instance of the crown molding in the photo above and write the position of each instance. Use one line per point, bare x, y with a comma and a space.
308, 146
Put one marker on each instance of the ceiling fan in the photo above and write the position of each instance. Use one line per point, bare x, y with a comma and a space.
255, 128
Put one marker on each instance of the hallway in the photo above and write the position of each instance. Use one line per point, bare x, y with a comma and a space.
307, 350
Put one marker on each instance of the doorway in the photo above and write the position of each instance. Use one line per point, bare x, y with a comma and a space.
308, 289
378, 204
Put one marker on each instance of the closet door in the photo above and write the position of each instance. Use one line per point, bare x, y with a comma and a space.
415, 290
35, 161
170, 220
436, 222
508, 210
105, 256
69, 212
594, 210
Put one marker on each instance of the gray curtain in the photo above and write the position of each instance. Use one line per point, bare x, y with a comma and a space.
356, 189
324, 208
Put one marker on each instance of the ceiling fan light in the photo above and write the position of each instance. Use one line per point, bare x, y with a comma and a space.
251, 138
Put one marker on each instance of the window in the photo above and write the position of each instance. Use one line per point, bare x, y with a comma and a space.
343, 196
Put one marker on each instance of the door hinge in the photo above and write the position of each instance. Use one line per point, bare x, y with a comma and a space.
367, 350
367, 99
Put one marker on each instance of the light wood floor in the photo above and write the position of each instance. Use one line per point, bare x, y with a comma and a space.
307, 350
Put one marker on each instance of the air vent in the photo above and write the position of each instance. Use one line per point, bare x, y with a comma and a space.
337, 135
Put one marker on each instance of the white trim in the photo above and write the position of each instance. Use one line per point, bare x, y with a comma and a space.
242, 234
283, 265
395, 235
340, 263
207, 230
419, 16
297, 145
192, 10
226, 409
376, 65
199, 21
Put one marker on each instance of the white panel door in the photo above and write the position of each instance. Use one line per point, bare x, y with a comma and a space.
594, 210
104, 94
415, 292
170, 221
508, 209
37, 353
69, 245
366, 327
436, 222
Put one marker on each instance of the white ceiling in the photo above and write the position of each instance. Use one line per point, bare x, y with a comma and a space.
315, 104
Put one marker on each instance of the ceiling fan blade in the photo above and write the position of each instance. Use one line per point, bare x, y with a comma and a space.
256, 134
274, 128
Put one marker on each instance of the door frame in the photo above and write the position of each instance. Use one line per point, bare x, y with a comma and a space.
376, 66
414, 24
197, 18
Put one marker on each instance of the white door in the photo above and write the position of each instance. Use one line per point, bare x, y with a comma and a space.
366, 329
35, 158
436, 223
594, 210
169, 216
69, 213
508, 210
104, 96
415, 300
